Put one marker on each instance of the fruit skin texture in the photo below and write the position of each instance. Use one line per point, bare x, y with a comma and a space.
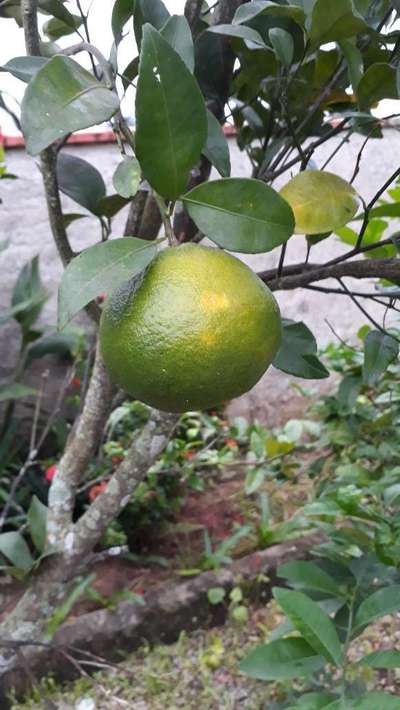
197, 329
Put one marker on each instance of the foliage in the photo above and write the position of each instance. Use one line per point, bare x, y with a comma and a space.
354, 579
27, 300
269, 67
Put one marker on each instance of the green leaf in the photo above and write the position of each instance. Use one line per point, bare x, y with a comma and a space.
354, 60
313, 701
386, 210
240, 214
211, 66
28, 295
348, 391
152, 11
81, 181
334, 21
15, 390
309, 575
313, 623
126, 178
12, 9
170, 116
321, 201
379, 351
62, 611
63, 98
255, 477
381, 659
55, 28
100, 268
57, 8
130, 72
382, 602
37, 521
69, 217
216, 148
375, 700
216, 595
61, 344
297, 353
282, 43
24, 68
241, 32
248, 11
14, 548
177, 33
110, 205
122, 11
282, 660
378, 82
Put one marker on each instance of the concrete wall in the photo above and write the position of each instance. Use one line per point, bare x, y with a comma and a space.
24, 222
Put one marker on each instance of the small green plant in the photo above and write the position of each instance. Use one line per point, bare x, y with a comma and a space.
327, 608
215, 558
356, 579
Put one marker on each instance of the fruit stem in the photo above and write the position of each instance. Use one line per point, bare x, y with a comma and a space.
165, 212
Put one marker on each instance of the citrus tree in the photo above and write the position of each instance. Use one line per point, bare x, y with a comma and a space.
189, 325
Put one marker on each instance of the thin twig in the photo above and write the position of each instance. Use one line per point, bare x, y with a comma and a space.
281, 260
365, 312
165, 213
92, 50
87, 34
331, 328
340, 145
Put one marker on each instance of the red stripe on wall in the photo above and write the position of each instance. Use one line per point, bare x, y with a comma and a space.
86, 138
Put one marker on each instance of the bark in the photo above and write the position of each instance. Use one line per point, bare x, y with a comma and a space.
192, 12
299, 275
81, 445
144, 219
168, 610
55, 579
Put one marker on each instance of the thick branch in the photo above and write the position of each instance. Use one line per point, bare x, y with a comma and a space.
144, 219
192, 12
48, 163
31, 30
225, 11
48, 158
300, 275
79, 449
144, 450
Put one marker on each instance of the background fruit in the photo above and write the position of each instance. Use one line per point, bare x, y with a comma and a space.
199, 328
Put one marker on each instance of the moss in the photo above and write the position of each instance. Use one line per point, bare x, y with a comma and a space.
201, 670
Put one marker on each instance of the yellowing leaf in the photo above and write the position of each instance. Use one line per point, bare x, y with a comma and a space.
321, 201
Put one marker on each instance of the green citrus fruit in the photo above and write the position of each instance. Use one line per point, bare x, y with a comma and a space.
198, 328
321, 201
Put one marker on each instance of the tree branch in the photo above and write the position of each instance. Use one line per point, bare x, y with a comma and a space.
48, 157
79, 449
93, 51
144, 450
30, 24
300, 275
192, 12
